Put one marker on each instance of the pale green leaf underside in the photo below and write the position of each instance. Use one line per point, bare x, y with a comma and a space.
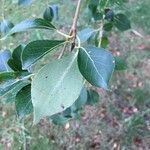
56, 87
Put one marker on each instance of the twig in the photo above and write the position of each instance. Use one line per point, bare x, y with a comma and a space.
100, 34
73, 29
101, 26
75, 19
63, 50
25, 144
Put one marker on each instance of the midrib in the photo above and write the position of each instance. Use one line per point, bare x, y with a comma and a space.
63, 76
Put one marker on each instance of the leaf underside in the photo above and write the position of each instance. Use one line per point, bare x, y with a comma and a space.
56, 87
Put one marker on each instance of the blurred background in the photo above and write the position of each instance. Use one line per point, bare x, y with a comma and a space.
120, 120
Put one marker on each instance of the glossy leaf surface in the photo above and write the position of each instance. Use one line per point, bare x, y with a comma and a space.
36, 23
37, 49
23, 102
96, 65
15, 61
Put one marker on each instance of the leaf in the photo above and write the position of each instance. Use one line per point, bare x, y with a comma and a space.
11, 83
85, 34
109, 14
6, 26
92, 97
37, 49
102, 4
56, 87
36, 23
4, 57
72, 111
59, 119
15, 61
108, 26
93, 5
104, 42
97, 16
24, 2
48, 14
120, 64
96, 65
23, 102
55, 11
121, 22
82, 99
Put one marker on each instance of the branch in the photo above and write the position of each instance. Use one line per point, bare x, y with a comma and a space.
75, 19
73, 29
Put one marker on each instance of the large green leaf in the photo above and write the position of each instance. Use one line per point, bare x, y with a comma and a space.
36, 23
23, 102
96, 65
122, 22
36, 49
4, 57
15, 61
72, 111
56, 87
11, 83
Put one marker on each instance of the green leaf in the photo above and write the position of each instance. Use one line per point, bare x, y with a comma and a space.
6, 26
15, 62
108, 26
24, 2
97, 16
85, 34
11, 83
93, 5
92, 98
102, 4
4, 57
109, 14
82, 99
59, 119
56, 87
96, 65
72, 111
36, 23
104, 42
120, 64
37, 49
121, 22
48, 14
23, 102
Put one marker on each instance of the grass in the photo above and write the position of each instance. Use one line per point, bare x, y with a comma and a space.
120, 120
